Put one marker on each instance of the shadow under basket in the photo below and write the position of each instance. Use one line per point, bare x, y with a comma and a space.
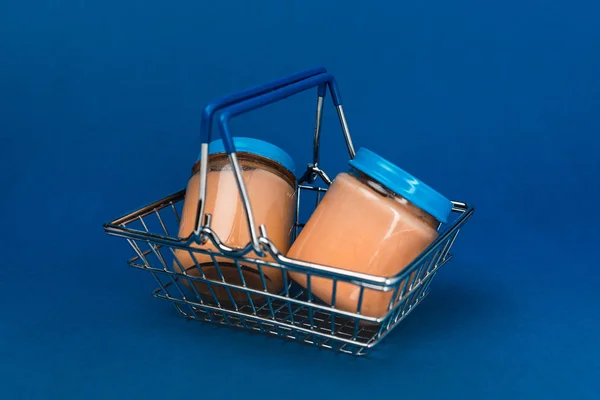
203, 292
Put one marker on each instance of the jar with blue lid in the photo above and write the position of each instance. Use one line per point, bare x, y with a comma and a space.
375, 219
268, 174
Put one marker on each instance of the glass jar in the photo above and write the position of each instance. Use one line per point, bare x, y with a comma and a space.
374, 219
268, 174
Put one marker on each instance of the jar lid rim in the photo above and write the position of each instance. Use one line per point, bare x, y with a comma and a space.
402, 183
257, 147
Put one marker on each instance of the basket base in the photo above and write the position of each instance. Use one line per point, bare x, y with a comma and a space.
296, 323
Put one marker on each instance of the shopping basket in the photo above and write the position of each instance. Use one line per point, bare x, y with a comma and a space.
293, 313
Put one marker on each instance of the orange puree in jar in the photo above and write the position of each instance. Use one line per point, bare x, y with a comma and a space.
374, 219
268, 176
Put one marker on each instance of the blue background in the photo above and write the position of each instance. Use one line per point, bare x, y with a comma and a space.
492, 102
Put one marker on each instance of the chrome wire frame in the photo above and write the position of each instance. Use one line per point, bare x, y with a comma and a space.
293, 313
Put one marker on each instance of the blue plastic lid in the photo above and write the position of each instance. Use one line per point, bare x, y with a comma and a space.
402, 183
255, 146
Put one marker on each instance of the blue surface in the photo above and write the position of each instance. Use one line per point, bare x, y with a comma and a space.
402, 183
496, 103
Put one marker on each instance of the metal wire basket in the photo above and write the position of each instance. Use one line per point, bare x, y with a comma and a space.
294, 313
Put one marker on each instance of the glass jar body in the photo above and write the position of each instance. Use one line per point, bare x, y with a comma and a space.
272, 193
361, 226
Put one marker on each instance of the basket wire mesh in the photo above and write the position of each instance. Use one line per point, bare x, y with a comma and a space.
293, 313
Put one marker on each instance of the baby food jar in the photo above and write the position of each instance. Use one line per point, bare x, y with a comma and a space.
374, 219
268, 174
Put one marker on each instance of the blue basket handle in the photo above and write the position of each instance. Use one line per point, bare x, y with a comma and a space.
322, 81
229, 99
